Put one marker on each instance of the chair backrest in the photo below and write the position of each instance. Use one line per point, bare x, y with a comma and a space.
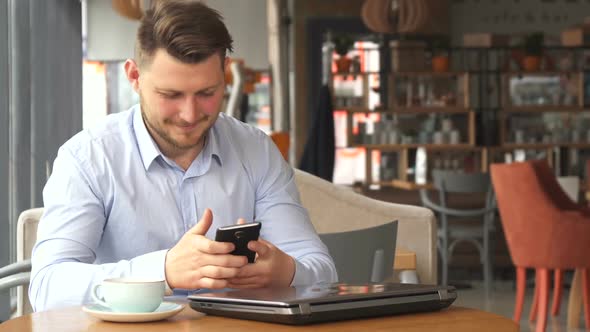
526, 208
459, 182
453, 182
364, 255
26, 236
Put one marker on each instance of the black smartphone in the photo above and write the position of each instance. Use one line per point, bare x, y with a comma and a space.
240, 235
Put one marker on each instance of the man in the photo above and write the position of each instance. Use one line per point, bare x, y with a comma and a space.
142, 194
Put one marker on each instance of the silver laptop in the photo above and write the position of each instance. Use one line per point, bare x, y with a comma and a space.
327, 302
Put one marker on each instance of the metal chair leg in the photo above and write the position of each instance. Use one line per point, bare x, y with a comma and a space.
445, 267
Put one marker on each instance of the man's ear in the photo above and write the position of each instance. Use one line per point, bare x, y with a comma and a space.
132, 72
227, 75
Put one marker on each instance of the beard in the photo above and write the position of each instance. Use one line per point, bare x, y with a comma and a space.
159, 130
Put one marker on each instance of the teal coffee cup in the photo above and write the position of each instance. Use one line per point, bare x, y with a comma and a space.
129, 294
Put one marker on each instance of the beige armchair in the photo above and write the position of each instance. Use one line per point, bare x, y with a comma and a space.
338, 209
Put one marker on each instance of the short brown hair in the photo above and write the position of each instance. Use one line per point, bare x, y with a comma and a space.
188, 30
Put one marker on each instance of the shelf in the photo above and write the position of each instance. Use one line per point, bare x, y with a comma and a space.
428, 73
532, 146
543, 73
396, 147
407, 185
544, 109
366, 73
408, 110
574, 145
431, 109
358, 109
529, 146
401, 184
465, 87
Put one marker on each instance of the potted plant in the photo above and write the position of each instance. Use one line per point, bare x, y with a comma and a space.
533, 51
342, 45
440, 55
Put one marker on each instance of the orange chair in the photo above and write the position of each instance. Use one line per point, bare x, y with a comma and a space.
544, 230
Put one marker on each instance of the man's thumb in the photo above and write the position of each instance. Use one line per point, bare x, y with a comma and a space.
203, 225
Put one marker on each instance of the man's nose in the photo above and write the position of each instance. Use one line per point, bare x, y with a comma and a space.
189, 111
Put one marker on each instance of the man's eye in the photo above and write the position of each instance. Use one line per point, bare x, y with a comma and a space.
170, 95
207, 94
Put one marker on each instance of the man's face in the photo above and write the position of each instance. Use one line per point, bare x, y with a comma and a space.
179, 101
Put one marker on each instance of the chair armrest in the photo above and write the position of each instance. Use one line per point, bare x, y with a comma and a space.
14, 280
10, 269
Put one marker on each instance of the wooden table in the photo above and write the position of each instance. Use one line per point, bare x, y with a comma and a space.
455, 319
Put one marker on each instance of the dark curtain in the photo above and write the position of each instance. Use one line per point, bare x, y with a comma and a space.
319, 152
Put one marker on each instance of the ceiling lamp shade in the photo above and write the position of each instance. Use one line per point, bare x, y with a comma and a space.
406, 16
131, 9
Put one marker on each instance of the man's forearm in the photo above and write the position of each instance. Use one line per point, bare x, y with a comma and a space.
314, 269
68, 283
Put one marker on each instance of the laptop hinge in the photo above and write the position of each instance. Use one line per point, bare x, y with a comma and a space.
305, 309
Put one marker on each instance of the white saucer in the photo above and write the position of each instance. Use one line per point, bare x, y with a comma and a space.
165, 310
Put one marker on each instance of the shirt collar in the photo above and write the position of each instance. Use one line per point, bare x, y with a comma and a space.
212, 144
149, 150
211, 150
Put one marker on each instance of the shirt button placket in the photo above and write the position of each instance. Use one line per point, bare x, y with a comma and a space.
192, 194
185, 202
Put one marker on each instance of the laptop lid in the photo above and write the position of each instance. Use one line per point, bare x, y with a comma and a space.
327, 302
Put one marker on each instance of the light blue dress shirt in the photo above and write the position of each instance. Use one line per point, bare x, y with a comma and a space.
115, 204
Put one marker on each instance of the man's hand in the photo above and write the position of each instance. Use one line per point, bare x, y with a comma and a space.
197, 262
272, 268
